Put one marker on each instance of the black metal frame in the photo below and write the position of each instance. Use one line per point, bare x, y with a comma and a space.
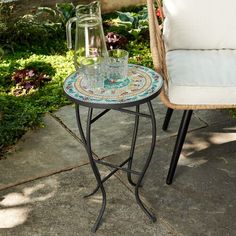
93, 162
183, 128
167, 119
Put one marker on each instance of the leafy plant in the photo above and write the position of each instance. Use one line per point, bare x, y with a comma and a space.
135, 23
62, 13
28, 79
114, 40
66, 11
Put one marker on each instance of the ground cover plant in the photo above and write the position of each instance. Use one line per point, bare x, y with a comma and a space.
32, 69
21, 106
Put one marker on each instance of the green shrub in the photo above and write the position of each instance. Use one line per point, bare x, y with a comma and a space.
33, 31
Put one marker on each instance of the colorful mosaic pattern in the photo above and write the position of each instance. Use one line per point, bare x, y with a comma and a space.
141, 83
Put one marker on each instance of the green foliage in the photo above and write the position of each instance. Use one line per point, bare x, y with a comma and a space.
233, 112
66, 11
139, 53
63, 12
1, 53
38, 31
29, 30
5, 21
135, 23
18, 114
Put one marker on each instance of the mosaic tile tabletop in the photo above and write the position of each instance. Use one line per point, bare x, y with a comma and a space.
140, 84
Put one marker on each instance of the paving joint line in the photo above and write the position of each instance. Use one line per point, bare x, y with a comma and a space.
201, 119
43, 176
72, 133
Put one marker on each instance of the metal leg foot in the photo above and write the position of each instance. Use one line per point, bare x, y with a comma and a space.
146, 211
179, 144
167, 119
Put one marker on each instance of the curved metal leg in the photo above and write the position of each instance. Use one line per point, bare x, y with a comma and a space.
87, 142
147, 212
134, 138
77, 112
93, 192
95, 170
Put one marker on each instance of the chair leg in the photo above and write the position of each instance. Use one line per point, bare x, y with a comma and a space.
167, 119
179, 144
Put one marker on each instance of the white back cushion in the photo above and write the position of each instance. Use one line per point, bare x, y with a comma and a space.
200, 24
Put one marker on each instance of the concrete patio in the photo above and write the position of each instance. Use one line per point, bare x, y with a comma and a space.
43, 181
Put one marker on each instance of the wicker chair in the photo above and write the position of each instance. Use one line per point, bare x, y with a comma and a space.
194, 48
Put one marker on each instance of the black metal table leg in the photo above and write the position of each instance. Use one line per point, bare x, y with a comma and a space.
87, 142
134, 138
95, 170
77, 112
147, 212
78, 119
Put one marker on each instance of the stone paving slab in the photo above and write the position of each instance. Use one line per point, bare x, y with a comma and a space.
201, 200
112, 133
213, 117
42, 152
55, 206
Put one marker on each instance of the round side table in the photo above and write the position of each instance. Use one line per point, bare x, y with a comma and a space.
141, 86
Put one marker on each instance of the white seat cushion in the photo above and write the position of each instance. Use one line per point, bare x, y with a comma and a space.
200, 24
202, 76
